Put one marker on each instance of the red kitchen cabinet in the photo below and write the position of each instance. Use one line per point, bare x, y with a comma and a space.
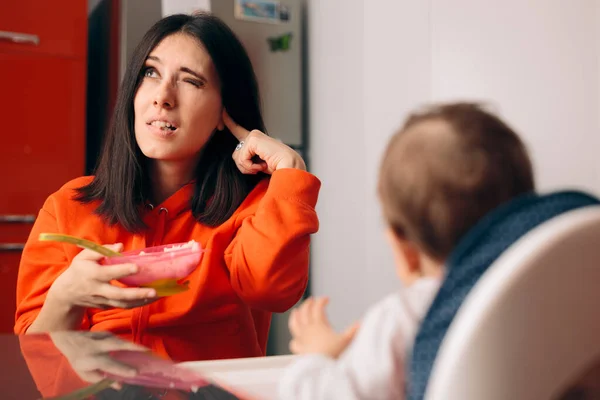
43, 64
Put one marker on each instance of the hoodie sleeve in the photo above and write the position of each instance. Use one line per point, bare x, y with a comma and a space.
268, 257
41, 263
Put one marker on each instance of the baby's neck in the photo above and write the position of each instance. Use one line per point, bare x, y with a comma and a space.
431, 268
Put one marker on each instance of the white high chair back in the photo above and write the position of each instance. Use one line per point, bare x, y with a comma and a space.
531, 325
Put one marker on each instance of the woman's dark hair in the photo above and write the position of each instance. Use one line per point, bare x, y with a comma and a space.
121, 182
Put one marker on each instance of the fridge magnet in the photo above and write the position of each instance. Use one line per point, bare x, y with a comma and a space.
280, 43
284, 13
257, 11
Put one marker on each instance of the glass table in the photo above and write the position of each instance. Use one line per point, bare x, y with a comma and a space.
96, 365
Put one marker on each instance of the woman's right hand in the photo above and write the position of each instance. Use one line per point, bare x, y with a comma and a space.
86, 284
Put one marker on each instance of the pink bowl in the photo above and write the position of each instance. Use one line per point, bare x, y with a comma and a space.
173, 261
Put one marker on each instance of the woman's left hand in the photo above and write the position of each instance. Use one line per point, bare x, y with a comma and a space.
273, 154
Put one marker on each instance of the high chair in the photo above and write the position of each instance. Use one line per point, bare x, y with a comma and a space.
531, 325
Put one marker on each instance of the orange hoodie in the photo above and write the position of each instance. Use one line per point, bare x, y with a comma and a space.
256, 264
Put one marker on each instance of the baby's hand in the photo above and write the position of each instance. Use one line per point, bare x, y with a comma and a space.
312, 333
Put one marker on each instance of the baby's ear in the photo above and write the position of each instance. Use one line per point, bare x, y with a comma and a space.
413, 257
406, 256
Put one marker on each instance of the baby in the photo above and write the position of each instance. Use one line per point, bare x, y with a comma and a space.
446, 168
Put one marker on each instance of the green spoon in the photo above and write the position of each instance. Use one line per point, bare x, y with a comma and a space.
86, 244
86, 392
163, 287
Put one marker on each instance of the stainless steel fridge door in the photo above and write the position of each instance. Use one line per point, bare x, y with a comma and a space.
279, 72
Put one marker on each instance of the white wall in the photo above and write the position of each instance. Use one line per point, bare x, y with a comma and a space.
336, 90
371, 61
537, 60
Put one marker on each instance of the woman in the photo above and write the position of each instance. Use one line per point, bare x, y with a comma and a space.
176, 167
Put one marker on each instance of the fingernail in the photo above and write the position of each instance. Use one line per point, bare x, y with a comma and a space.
151, 293
133, 269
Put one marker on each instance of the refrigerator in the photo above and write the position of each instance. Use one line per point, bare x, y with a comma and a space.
43, 53
273, 33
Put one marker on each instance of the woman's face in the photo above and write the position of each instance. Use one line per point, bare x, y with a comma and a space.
178, 103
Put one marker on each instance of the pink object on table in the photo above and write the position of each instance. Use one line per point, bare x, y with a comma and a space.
174, 261
156, 372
